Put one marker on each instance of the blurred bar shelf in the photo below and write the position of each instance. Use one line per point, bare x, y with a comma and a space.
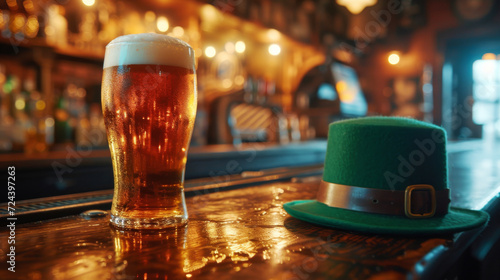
72, 170
68, 52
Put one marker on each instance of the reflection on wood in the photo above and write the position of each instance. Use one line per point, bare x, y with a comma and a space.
238, 233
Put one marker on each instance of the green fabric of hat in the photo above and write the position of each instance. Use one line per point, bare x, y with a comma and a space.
386, 154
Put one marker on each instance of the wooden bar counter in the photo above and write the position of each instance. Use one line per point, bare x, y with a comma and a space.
244, 233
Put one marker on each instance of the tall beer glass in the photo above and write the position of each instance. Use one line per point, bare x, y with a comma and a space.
149, 106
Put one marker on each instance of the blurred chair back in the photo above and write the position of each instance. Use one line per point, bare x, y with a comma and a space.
233, 121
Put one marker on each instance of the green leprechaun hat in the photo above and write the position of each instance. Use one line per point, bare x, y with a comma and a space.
386, 175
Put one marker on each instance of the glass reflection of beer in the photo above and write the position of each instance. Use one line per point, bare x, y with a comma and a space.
149, 105
149, 254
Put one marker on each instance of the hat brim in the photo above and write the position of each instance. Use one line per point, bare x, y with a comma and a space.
320, 214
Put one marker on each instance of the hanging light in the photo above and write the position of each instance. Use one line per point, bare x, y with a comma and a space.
162, 24
88, 3
240, 47
273, 35
356, 6
229, 47
210, 51
393, 58
274, 49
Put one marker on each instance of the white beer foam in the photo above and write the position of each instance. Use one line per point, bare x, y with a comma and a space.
149, 48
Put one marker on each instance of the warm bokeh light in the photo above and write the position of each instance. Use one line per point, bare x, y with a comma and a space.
227, 83
239, 80
40, 105
17, 23
489, 56
274, 49
210, 51
49, 31
240, 47
356, 6
340, 86
345, 94
12, 4
88, 3
229, 47
198, 52
209, 13
3, 22
178, 31
273, 34
31, 28
49, 122
150, 16
162, 24
29, 6
20, 104
393, 59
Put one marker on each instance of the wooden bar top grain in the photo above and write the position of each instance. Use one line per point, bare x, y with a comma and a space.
244, 234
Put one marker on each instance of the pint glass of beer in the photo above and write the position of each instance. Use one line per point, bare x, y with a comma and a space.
149, 106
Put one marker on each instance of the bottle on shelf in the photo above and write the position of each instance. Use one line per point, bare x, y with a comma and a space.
39, 133
62, 129
249, 89
6, 120
261, 92
22, 120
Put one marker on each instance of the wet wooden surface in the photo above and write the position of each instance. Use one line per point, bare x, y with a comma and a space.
246, 234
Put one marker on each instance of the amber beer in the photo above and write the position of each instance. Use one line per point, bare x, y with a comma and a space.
149, 106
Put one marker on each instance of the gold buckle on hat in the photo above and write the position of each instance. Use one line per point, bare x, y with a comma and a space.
408, 201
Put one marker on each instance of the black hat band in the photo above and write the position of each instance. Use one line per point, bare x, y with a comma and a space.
417, 201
